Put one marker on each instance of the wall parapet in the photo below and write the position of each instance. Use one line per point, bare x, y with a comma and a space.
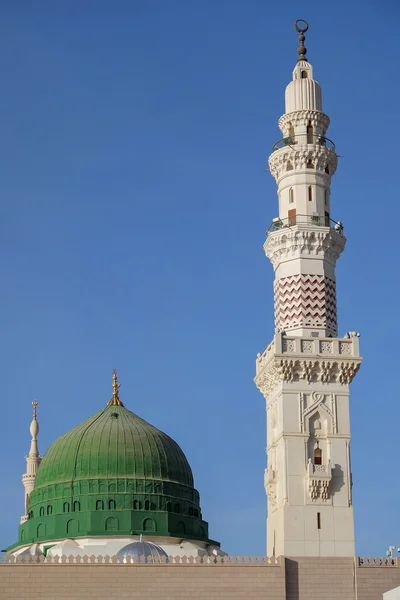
8, 560
378, 562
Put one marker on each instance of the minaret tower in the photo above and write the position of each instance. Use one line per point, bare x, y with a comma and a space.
305, 372
32, 462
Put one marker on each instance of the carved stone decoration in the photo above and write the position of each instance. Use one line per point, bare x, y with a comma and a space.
307, 346
288, 345
345, 348
270, 480
307, 370
300, 240
288, 367
347, 372
318, 479
326, 372
311, 403
298, 155
302, 118
277, 368
326, 347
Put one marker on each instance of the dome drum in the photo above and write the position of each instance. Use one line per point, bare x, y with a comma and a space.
115, 522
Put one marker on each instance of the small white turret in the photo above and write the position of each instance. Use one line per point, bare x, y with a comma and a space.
32, 462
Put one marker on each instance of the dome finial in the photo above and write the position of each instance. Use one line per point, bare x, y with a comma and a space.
301, 27
116, 385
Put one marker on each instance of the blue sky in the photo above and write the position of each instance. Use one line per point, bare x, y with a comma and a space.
134, 137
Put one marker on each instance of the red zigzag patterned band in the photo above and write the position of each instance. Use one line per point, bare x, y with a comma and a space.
305, 301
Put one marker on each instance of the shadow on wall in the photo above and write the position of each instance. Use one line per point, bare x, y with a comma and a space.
292, 579
337, 479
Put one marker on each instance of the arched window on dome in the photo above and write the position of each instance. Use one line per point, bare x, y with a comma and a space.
327, 169
111, 524
196, 513
99, 505
149, 525
49, 509
66, 507
41, 512
304, 75
111, 505
291, 195
147, 505
169, 506
77, 506
137, 505
191, 511
181, 527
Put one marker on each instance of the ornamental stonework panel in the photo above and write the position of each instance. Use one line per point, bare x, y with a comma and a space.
305, 301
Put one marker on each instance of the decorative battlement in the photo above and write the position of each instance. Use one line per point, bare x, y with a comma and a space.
291, 359
9, 559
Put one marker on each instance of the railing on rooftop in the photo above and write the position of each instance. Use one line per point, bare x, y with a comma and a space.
312, 220
304, 139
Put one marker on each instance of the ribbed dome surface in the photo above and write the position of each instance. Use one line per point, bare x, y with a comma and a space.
114, 443
146, 549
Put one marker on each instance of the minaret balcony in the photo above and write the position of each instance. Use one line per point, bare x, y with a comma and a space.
304, 139
315, 220
318, 480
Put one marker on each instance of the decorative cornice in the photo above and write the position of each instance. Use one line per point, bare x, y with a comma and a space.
302, 118
311, 360
311, 370
301, 240
298, 156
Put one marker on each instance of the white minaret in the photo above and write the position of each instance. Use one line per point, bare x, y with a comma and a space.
305, 372
32, 462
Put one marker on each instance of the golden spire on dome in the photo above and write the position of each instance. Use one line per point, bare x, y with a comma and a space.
115, 397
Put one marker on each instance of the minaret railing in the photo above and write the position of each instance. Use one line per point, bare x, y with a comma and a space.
304, 139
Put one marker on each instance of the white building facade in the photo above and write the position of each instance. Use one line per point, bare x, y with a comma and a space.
305, 372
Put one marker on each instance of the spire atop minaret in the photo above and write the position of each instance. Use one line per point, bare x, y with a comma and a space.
115, 397
32, 461
301, 27
34, 430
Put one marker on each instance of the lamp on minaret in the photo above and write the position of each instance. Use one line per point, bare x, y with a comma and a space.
32, 462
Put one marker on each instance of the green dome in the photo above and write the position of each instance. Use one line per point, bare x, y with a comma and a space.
114, 443
115, 474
